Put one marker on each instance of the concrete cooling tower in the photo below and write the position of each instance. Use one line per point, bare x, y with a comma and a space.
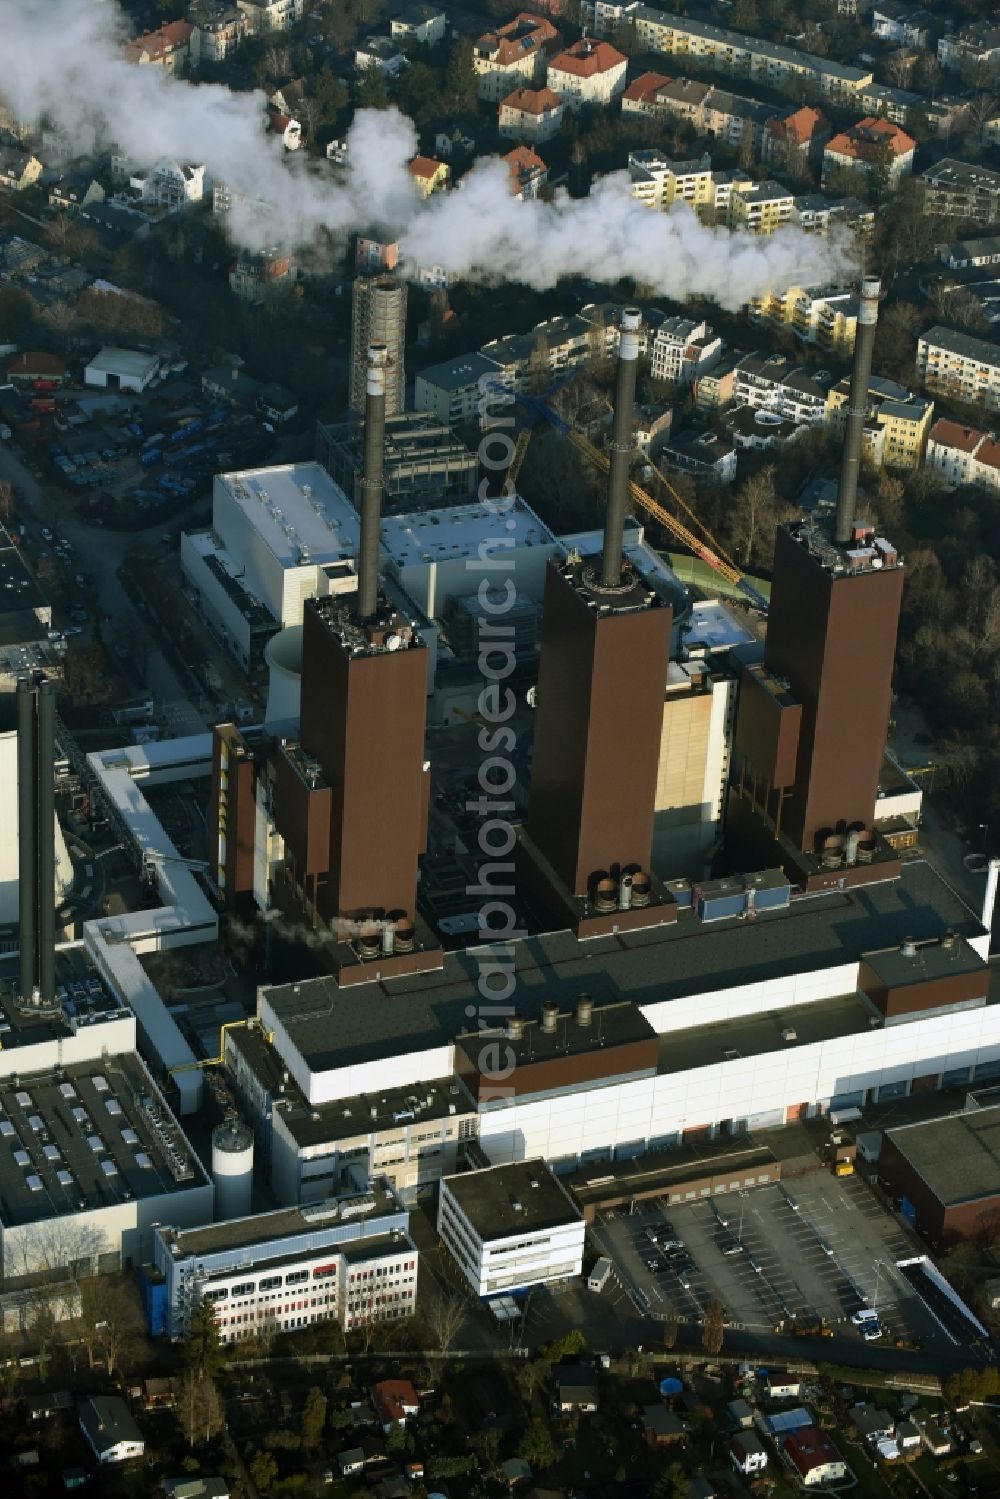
283, 654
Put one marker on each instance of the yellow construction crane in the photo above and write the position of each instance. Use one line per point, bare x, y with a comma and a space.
722, 564
520, 448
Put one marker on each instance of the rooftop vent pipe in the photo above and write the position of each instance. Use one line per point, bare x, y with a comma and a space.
371, 482
857, 408
622, 446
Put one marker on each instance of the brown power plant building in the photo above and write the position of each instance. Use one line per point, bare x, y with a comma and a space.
948, 1172
813, 719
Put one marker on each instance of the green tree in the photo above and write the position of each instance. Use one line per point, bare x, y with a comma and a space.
672, 1483
313, 1418
743, 16
263, 1471
371, 90
331, 96
537, 1446
18, 315
203, 1352
460, 81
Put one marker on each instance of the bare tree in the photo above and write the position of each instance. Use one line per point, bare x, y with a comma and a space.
6, 499
714, 1327
201, 1410
671, 1324
444, 1313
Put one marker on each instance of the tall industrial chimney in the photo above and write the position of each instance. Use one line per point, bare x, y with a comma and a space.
36, 836
622, 447
27, 842
371, 482
857, 409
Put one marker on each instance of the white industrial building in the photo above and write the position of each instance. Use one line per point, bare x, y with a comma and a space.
91, 1157
350, 1260
743, 1022
121, 369
282, 535
510, 1227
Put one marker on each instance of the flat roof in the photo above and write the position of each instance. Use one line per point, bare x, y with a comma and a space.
298, 511
665, 1169
930, 960
456, 374
84, 999
284, 1223
457, 531
611, 1025
336, 1027
517, 1197
345, 1118
759, 1035
115, 361
18, 589
87, 1136
957, 1157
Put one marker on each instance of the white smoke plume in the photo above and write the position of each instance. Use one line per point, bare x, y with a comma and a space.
61, 62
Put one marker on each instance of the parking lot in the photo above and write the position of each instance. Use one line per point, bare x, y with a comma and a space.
771, 1264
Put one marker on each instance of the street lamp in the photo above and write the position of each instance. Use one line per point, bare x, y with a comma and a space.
878, 1272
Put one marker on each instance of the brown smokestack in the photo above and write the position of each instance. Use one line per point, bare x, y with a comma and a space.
371, 482
622, 447
857, 408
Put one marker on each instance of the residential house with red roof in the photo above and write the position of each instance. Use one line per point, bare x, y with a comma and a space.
531, 115
514, 56
814, 1457
168, 47
394, 1400
589, 72
864, 147
528, 172
964, 455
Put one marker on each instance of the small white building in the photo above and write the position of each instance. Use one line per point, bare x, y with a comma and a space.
110, 1430
121, 369
425, 24
511, 1226
747, 1453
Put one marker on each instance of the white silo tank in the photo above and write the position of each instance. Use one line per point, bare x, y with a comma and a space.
283, 654
232, 1170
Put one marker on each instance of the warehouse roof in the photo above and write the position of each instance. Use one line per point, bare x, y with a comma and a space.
957, 1157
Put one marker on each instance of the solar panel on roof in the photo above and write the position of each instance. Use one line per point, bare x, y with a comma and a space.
6, 1129
95, 1142
113, 1106
143, 1160
67, 1090
130, 1137
100, 1082
51, 1153
109, 1168
80, 1115
24, 1100
33, 1183
64, 1178
22, 1158
37, 1123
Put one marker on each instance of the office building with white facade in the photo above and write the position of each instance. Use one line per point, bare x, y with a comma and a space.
510, 1227
349, 1260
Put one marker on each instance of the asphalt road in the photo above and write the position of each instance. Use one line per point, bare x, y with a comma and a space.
101, 553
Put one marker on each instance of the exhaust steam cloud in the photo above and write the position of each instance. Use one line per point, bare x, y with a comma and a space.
61, 63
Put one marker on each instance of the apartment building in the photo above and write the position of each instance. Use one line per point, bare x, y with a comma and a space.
218, 31
961, 191
817, 214
169, 47
827, 316
897, 425
906, 25
957, 365
682, 350
603, 17
172, 185
976, 45
453, 391
429, 175
771, 382
514, 56
655, 93
796, 137
531, 115
760, 208
528, 172
271, 15
256, 276
349, 1260
657, 182
871, 146
715, 388
747, 56
964, 455
588, 73
704, 455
